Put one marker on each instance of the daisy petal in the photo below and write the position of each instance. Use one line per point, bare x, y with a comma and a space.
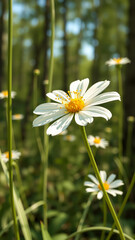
83, 85
97, 111
96, 89
103, 176
60, 125
99, 195
116, 183
73, 87
82, 118
111, 178
90, 190
46, 108
114, 192
44, 119
103, 98
93, 179
90, 184
61, 94
111, 192
54, 97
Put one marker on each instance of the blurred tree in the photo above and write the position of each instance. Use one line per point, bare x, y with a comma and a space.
2, 12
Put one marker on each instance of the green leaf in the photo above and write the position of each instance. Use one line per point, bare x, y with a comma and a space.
19, 206
45, 234
61, 236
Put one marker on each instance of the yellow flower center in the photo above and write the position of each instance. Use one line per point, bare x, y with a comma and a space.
75, 104
5, 93
17, 116
117, 60
97, 140
7, 154
106, 186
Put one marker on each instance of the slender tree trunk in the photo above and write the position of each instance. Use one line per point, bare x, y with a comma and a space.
65, 48
2, 6
129, 99
45, 44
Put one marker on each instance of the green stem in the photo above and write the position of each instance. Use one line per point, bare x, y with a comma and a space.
104, 218
94, 165
129, 138
121, 113
10, 33
84, 215
99, 228
46, 138
123, 204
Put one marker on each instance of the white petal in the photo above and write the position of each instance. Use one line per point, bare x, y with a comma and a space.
97, 111
96, 89
45, 108
116, 184
115, 192
90, 184
103, 176
73, 87
44, 119
83, 85
99, 195
111, 192
60, 125
57, 97
82, 118
93, 179
91, 190
103, 98
111, 178
61, 94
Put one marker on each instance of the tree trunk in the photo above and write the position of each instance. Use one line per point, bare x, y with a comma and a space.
2, 6
129, 95
65, 49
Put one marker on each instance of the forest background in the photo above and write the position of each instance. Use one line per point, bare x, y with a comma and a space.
87, 34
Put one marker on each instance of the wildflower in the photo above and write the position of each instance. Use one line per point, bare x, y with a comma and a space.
131, 118
69, 138
17, 116
15, 155
109, 185
46, 82
4, 94
36, 71
79, 102
97, 141
117, 61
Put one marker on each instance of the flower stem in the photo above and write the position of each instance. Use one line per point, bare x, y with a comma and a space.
84, 215
46, 138
104, 218
123, 204
129, 138
119, 76
94, 165
10, 33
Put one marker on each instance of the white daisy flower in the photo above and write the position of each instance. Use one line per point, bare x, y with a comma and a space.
69, 138
17, 116
4, 94
79, 102
15, 155
118, 61
108, 183
97, 141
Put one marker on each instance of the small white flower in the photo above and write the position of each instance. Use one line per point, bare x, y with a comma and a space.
79, 102
118, 61
4, 94
46, 82
15, 155
97, 141
69, 138
17, 116
109, 185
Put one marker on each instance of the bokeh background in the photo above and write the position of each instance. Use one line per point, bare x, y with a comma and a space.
87, 34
